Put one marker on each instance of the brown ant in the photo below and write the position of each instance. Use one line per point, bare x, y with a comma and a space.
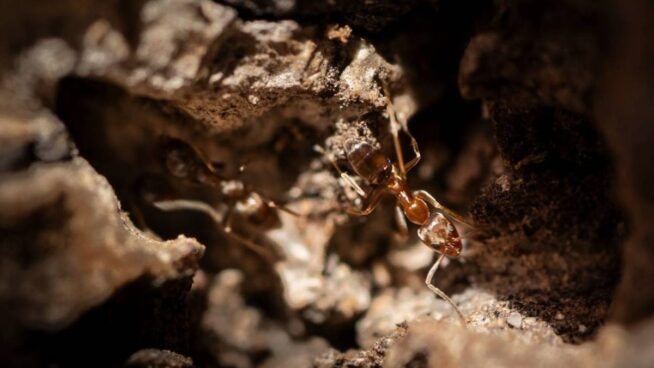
185, 162
436, 230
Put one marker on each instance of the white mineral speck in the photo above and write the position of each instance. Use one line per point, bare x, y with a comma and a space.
514, 320
253, 99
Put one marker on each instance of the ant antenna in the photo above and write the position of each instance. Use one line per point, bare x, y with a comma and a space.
218, 218
396, 126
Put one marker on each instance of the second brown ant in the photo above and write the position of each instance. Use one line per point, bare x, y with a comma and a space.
185, 162
436, 230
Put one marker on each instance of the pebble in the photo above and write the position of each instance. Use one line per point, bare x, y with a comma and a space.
514, 320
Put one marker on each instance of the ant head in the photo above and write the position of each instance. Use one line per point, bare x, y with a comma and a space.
440, 235
180, 158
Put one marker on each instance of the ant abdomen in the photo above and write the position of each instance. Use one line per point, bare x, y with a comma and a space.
441, 235
367, 161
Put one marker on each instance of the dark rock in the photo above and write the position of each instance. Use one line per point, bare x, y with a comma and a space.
154, 358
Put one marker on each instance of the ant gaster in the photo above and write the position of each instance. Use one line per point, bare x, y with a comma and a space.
185, 162
385, 177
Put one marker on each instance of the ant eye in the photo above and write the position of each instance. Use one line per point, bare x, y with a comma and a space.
176, 164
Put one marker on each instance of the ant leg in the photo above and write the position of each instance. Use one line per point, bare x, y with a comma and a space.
251, 245
439, 292
414, 145
272, 204
343, 175
375, 197
424, 195
396, 126
402, 233
353, 184
190, 205
280, 207
224, 221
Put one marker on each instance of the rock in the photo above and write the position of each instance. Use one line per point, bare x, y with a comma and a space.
514, 320
233, 332
373, 357
555, 162
371, 16
623, 110
50, 280
195, 55
153, 358
67, 251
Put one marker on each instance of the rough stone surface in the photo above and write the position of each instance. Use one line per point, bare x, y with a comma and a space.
624, 113
63, 269
233, 332
153, 358
226, 72
537, 89
368, 15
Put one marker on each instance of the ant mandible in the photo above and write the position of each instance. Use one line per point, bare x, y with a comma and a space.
185, 162
436, 230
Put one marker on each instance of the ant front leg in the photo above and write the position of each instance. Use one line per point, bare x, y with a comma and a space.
429, 281
396, 126
375, 198
348, 179
251, 245
414, 146
272, 204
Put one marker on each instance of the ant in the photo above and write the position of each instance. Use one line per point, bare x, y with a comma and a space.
436, 230
185, 162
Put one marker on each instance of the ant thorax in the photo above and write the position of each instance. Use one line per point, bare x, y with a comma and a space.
250, 204
233, 189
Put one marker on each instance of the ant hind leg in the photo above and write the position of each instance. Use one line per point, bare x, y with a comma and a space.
248, 243
375, 198
439, 292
